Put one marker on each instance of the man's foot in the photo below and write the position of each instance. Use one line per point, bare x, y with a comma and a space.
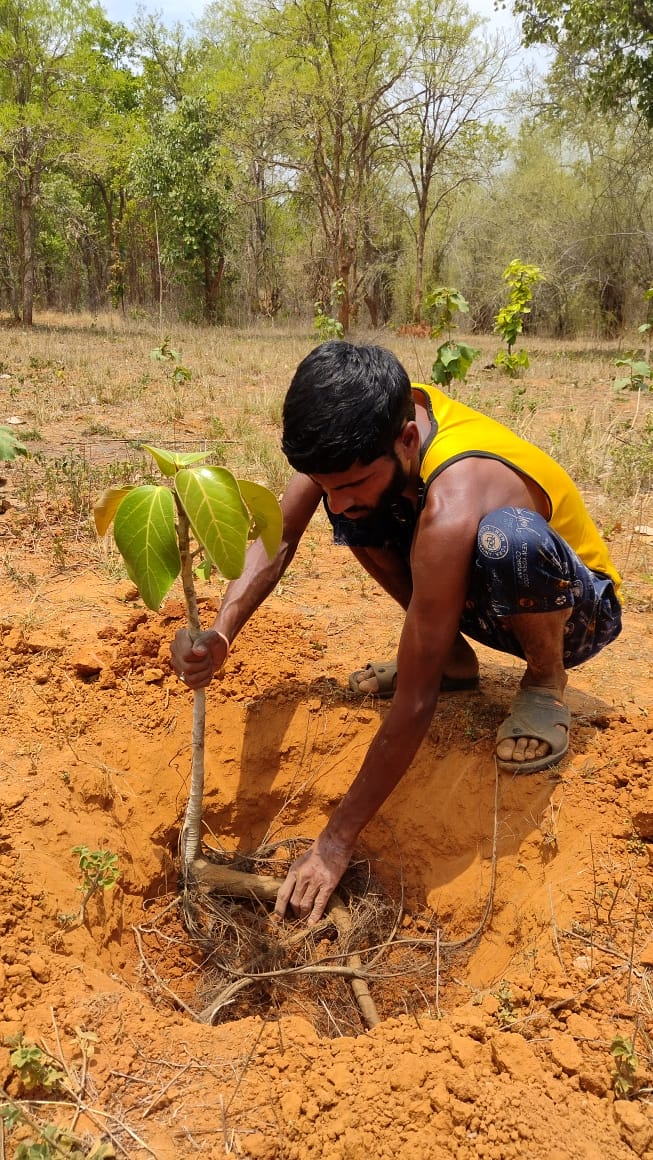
379, 678
536, 733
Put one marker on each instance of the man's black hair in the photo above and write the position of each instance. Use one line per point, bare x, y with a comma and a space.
345, 404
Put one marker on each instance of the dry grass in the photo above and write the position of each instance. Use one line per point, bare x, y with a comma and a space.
88, 392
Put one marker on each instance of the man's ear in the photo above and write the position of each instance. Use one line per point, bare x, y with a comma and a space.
408, 442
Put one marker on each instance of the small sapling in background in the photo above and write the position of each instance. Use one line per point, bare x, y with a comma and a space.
509, 322
639, 376
325, 325
452, 359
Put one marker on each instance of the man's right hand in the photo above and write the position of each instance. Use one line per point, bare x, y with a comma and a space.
196, 662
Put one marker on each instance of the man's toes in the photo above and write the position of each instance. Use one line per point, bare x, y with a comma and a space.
505, 750
366, 680
521, 749
541, 750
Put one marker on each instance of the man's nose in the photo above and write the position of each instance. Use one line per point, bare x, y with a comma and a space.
339, 502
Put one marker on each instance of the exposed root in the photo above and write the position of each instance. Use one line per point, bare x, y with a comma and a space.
326, 971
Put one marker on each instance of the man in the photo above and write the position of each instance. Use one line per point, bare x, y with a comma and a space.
470, 528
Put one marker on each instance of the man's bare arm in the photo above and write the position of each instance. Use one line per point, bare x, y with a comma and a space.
440, 564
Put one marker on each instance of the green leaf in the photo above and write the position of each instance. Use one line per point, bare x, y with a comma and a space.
641, 369
205, 568
164, 353
9, 445
220, 521
144, 530
268, 519
105, 508
447, 354
170, 462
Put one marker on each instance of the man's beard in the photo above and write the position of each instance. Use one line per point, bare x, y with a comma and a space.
388, 497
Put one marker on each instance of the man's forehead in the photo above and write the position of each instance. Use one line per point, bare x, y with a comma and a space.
354, 474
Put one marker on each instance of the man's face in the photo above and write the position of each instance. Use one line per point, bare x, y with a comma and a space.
364, 489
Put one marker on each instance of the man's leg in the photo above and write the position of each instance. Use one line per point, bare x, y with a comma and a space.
531, 596
392, 573
541, 636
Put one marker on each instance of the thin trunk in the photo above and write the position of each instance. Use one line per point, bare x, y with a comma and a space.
191, 838
27, 256
212, 283
420, 246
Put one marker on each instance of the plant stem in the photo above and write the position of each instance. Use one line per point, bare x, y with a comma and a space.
191, 829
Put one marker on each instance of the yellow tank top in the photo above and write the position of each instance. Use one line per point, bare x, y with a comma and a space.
458, 432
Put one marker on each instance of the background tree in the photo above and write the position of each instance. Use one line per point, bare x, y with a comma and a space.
337, 65
611, 42
108, 106
442, 129
183, 171
236, 72
39, 43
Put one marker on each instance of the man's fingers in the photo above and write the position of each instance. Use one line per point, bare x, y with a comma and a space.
319, 906
306, 900
283, 896
299, 894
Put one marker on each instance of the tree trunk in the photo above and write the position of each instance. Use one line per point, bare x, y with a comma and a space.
373, 308
27, 257
420, 246
212, 283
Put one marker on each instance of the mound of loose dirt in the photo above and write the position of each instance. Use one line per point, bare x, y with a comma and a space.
503, 1051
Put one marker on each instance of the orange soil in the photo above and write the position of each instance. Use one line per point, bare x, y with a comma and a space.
504, 1052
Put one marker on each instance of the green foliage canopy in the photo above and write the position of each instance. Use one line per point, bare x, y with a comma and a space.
184, 171
611, 39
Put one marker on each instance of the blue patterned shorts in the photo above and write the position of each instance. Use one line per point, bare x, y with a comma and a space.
521, 565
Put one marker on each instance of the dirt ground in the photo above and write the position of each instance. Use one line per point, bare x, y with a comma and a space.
534, 895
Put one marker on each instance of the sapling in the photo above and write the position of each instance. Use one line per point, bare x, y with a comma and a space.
509, 322
100, 871
452, 359
177, 372
639, 376
200, 513
325, 325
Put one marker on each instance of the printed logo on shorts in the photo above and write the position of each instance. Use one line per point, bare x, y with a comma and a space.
493, 543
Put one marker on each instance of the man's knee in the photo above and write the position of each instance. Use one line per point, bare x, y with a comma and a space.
511, 532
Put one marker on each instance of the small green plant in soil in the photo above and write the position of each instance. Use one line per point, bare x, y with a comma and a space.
452, 359
626, 1063
639, 375
506, 1013
100, 871
175, 369
35, 1067
43, 1074
177, 373
509, 322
